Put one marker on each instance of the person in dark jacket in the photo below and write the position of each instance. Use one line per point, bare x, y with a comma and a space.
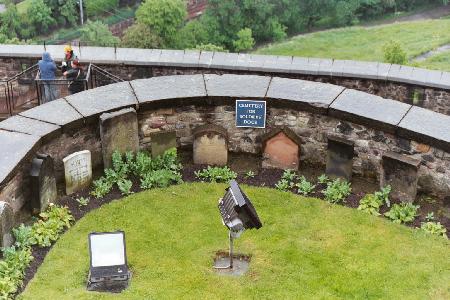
69, 56
75, 76
47, 69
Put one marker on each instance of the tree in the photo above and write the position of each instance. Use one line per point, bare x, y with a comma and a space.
192, 34
140, 36
210, 47
97, 34
245, 40
99, 7
10, 22
64, 12
164, 17
40, 16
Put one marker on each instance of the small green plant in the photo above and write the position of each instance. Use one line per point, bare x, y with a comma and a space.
304, 186
160, 178
102, 186
323, 179
282, 185
22, 236
52, 223
125, 186
250, 174
394, 53
337, 191
383, 195
216, 174
12, 269
434, 228
371, 203
402, 213
82, 201
430, 217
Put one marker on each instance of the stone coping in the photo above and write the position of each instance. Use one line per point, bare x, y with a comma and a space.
240, 61
20, 135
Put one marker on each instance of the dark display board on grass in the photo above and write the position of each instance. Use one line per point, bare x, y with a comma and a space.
250, 113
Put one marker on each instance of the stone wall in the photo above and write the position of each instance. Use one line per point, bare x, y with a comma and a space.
311, 109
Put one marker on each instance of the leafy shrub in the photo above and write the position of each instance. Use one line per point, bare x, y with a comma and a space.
82, 201
100, 7
210, 47
337, 191
287, 180
323, 179
12, 270
383, 195
371, 203
216, 174
304, 186
52, 223
434, 228
125, 186
394, 53
160, 178
101, 187
245, 40
22, 236
402, 213
283, 185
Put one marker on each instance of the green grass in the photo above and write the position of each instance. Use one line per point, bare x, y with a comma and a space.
358, 43
439, 61
306, 249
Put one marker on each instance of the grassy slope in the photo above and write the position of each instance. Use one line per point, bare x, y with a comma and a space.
439, 61
358, 43
306, 249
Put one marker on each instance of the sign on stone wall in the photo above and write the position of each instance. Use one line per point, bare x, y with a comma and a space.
250, 113
6, 224
77, 171
210, 145
118, 131
43, 183
400, 172
340, 158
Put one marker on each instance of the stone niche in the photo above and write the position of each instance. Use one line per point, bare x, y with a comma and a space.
210, 145
400, 172
281, 149
162, 141
340, 158
118, 131
43, 183
6, 224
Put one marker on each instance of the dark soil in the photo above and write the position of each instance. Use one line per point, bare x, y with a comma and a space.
263, 177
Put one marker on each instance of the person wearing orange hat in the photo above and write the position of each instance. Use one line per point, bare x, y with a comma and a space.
69, 56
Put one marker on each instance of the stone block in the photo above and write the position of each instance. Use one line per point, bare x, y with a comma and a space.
278, 64
359, 107
426, 126
103, 99
433, 78
300, 65
401, 173
224, 60
340, 158
43, 183
135, 56
205, 59
325, 67
191, 58
101, 55
400, 73
118, 131
30, 126
360, 69
57, 112
210, 146
6, 224
315, 95
281, 149
162, 141
245, 86
337, 68
383, 70
253, 62
171, 58
444, 82
77, 171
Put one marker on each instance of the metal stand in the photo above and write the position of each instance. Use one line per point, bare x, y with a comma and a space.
230, 266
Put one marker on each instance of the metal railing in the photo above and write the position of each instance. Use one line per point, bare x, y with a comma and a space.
26, 90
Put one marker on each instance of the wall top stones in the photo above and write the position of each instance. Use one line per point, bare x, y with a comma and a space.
237, 61
21, 135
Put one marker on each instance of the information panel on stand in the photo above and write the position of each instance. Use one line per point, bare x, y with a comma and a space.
251, 113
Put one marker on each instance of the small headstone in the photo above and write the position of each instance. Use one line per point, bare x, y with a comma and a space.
163, 141
400, 172
281, 149
118, 131
6, 224
43, 183
77, 171
210, 145
340, 158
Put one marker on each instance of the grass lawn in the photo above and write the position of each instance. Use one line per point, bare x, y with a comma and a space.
306, 249
439, 61
359, 43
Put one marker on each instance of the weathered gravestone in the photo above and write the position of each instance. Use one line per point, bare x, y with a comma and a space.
77, 171
6, 224
163, 141
340, 158
400, 172
210, 145
281, 149
43, 183
118, 131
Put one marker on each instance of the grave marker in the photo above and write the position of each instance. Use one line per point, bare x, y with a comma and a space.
281, 149
6, 224
77, 171
340, 158
210, 145
163, 141
43, 183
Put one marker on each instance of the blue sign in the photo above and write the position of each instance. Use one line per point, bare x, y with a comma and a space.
250, 113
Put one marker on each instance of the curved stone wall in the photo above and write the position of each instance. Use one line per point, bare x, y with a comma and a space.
312, 110
425, 88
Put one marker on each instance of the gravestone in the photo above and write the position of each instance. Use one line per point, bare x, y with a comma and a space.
43, 183
77, 171
281, 149
118, 131
400, 172
210, 145
6, 224
163, 141
340, 158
